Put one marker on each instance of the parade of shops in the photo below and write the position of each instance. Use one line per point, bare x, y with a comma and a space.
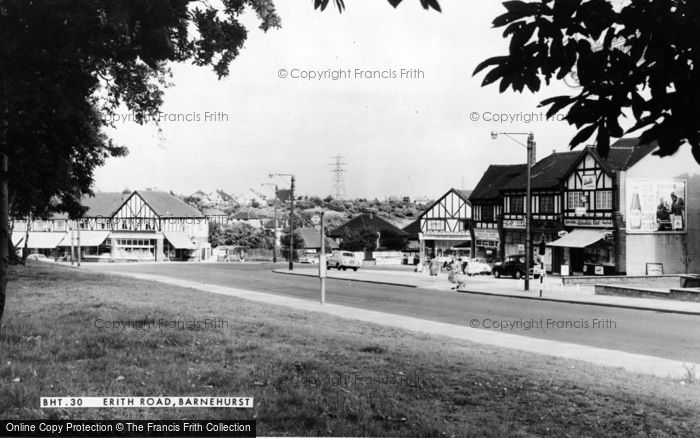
631, 213
120, 226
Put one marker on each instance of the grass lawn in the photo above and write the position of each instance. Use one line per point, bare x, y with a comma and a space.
310, 374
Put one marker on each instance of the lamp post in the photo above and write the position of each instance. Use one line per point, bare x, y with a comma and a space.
291, 219
528, 196
274, 246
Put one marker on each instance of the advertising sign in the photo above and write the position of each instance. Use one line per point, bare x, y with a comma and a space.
656, 206
588, 182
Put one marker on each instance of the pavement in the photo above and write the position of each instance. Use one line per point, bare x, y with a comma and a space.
552, 288
634, 363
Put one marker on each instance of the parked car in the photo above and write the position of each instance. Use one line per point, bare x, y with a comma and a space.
309, 258
476, 266
342, 260
36, 257
514, 266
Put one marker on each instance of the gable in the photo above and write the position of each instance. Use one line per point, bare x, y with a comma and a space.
589, 174
452, 206
135, 207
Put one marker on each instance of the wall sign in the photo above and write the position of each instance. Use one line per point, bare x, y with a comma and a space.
588, 222
514, 223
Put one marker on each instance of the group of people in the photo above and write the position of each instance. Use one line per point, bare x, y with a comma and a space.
454, 267
670, 218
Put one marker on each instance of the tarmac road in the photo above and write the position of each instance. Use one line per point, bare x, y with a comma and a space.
667, 335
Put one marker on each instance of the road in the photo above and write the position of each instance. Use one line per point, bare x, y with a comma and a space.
667, 335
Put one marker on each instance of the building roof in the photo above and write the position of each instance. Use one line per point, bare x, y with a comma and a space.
366, 221
624, 153
311, 238
547, 173
493, 180
413, 228
166, 205
104, 204
210, 211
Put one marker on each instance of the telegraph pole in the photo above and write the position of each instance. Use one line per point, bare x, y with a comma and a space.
291, 229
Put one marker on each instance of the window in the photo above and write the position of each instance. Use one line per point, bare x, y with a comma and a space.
547, 204
487, 213
603, 200
517, 204
433, 225
576, 200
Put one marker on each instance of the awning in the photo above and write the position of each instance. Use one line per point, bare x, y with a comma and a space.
179, 240
579, 238
38, 239
87, 238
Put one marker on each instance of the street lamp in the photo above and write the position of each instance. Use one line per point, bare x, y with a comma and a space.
528, 196
274, 234
291, 219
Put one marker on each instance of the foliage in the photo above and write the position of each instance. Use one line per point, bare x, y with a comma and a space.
67, 65
239, 234
392, 241
651, 75
340, 4
285, 245
359, 240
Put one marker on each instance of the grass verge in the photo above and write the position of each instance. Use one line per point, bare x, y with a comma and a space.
310, 374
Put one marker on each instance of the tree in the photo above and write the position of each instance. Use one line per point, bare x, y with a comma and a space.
340, 4
359, 240
641, 59
284, 243
67, 65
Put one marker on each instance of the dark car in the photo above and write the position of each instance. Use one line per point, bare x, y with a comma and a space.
514, 266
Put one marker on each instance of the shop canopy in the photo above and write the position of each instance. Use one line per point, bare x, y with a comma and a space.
579, 238
87, 238
37, 239
179, 240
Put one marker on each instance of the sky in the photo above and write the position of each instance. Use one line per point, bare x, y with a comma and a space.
281, 111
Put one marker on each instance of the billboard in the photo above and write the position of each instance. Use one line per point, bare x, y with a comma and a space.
655, 205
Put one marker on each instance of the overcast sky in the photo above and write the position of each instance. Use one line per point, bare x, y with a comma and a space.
412, 136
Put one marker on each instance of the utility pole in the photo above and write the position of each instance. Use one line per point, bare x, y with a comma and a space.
338, 169
274, 234
528, 195
291, 229
291, 219
78, 244
528, 211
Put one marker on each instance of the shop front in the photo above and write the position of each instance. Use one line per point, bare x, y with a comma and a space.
486, 244
584, 251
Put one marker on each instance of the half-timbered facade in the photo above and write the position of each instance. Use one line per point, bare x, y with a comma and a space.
546, 186
586, 244
444, 225
144, 225
487, 209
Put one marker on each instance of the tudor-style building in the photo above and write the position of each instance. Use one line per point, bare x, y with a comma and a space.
444, 225
143, 225
547, 177
631, 213
591, 242
487, 209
